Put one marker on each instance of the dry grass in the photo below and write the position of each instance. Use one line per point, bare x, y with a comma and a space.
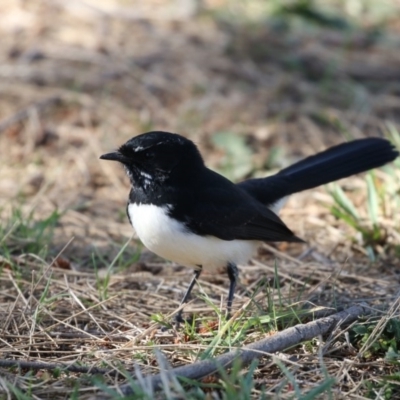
77, 81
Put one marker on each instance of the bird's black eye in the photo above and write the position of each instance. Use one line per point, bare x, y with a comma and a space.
149, 155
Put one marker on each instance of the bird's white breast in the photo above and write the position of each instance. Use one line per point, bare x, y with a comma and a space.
170, 239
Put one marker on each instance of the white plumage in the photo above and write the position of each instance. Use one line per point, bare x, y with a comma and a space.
170, 239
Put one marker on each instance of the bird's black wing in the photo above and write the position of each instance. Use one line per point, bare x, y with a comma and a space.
226, 212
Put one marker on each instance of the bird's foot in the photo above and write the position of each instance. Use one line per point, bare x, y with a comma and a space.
177, 321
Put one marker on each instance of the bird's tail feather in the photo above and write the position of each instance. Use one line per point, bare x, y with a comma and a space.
339, 162
330, 165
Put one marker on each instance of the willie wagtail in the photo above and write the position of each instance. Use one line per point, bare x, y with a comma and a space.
189, 214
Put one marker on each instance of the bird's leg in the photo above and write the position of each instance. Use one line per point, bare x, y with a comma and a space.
233, 275
178, 317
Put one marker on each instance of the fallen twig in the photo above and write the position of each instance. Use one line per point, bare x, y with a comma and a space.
272, 344
89, 335
36, 365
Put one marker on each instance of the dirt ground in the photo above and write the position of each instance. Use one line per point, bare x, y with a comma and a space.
77, 79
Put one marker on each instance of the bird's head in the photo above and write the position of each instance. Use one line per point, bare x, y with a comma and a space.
153, 157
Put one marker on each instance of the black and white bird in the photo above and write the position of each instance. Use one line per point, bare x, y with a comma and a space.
189, 214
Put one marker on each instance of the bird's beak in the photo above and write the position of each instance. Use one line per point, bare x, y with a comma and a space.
114, 156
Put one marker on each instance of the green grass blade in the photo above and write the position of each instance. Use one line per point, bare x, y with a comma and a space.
316, 392
344, 202
373, 199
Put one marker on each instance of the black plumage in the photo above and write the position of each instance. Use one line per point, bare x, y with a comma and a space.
187, 212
